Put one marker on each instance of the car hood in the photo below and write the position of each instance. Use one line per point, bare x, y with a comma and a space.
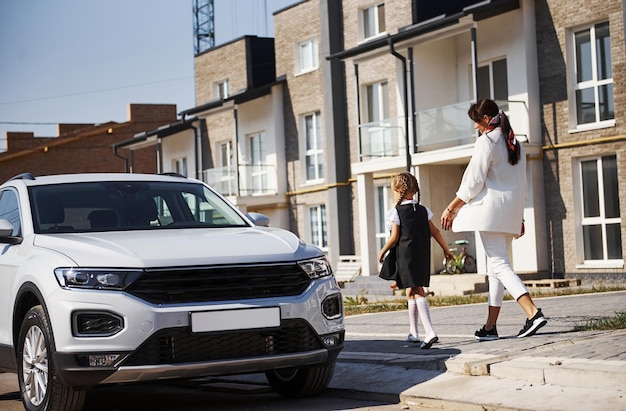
178, 247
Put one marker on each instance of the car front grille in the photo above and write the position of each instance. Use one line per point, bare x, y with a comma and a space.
219, 283
178, 345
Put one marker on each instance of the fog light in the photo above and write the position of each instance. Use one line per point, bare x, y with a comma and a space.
332, 340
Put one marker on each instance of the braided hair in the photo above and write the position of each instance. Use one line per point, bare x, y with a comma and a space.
407, 183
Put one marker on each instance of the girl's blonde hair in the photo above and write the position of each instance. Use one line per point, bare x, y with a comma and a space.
407, 184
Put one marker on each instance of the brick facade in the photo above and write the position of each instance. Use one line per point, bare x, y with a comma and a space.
563, 145
304, 95
85, 148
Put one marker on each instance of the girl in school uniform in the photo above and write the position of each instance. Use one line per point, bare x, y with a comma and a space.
411, 228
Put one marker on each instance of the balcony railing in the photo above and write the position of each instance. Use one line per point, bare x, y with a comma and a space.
252, 180
437, 128
382, 139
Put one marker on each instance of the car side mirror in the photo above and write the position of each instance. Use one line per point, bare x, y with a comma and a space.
259, 219
6, 233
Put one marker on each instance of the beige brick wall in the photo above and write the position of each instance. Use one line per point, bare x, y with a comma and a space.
304, 95
555, 21
226, 62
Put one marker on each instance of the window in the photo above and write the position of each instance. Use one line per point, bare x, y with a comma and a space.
307, 58
224, 177
378, 138
222, 89
377, 95
314, 154
226, 153
180, 166
373, 20
9, 210
593, 76
258, 166
492, 82
601, 221
317, 226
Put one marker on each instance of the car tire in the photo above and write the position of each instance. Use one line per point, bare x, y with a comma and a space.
301, 382
40, 384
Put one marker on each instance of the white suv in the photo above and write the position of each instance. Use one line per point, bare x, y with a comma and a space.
118, 278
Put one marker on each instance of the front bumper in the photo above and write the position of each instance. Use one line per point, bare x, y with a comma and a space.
157, 342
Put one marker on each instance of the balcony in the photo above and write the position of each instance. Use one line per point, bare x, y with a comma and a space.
437, 128
251, 180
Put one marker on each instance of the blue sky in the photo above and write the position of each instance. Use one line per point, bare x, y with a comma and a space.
78, 61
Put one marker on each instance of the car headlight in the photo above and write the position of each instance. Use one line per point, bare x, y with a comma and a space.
96, 278
316, 268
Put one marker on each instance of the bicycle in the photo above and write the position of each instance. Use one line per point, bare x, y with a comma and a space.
462, 262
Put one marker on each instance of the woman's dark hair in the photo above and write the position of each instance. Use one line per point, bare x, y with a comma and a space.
486, 107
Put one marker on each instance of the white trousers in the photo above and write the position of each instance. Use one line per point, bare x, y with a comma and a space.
499, 270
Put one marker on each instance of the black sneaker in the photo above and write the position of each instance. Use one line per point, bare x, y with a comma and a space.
533, 325
486, 335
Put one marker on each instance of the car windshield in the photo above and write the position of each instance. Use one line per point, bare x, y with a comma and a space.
128, 205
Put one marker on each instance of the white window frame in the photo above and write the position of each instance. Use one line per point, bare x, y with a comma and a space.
602, 220
315, 152
492, 83
307, 56
317, 226
258, 163
383, 140
384, 193
222, 89
370, 17
225, 150
594, 83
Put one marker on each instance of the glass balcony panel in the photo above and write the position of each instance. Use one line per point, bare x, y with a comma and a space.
437, 128
252, 180
382, 139
222, 179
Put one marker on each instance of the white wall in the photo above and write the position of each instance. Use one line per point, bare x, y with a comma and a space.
178, 146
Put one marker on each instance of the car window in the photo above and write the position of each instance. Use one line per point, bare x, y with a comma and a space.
113, 206
9, 210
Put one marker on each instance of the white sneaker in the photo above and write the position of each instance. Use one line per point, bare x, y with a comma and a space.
412, 338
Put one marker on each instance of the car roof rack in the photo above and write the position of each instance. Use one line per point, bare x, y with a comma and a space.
23, 176
172, 174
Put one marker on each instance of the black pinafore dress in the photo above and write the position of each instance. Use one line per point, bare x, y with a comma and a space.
413, 251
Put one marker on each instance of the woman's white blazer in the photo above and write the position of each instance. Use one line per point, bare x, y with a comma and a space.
494, 190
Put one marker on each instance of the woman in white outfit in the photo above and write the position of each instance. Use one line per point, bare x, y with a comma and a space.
490, 200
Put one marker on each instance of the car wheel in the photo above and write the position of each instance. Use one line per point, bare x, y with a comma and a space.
40, 384
301, 382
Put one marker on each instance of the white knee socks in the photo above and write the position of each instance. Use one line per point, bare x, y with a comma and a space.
424, 314
413, 318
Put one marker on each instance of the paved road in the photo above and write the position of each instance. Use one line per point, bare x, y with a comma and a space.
367, 376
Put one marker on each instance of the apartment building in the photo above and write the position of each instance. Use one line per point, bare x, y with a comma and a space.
359, 90
413, 68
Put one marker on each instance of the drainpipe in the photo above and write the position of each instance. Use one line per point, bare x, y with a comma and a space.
406, 102
358, 110
413, 111
236, 118
198, 158
115, 153
474, 63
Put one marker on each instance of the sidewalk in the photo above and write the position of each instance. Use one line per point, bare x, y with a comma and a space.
556, 369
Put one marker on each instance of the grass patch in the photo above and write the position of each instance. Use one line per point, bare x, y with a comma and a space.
361, 305
617, 322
